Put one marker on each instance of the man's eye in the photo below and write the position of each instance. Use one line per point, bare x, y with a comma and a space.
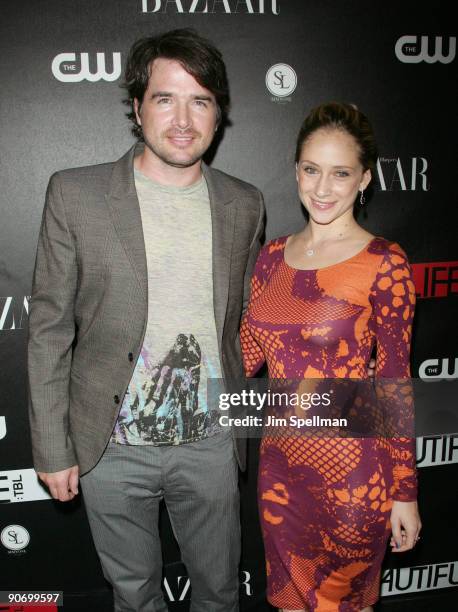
202, 103
163, 100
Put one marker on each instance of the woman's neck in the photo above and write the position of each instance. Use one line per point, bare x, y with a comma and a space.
338, 229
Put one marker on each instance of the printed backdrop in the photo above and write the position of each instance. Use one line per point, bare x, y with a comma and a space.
61, 106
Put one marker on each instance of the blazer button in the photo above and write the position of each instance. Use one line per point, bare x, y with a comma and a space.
116, 399
130, 356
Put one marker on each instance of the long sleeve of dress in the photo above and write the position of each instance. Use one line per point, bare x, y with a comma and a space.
253, 356
393, 302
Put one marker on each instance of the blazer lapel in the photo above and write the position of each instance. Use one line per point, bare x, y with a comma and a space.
223, 224
124, 208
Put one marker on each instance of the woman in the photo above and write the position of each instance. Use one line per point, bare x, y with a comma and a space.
320, 300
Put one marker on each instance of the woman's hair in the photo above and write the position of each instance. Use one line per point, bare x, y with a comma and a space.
345, 117
198, 56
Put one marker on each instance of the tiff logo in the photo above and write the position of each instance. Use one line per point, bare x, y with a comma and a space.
435, 279
14, 312
409, 51
394, 176
258, 7
65, 68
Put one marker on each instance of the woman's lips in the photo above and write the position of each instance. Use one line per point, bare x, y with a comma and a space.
322, 205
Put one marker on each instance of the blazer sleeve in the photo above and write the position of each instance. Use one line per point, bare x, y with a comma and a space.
51, 334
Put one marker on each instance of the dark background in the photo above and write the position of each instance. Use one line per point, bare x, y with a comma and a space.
339, 51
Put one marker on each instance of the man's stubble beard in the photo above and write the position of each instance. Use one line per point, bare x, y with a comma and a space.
168, 159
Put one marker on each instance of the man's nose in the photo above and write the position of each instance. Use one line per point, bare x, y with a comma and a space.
182, 116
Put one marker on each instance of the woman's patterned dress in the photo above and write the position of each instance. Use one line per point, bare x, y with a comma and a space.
325, 502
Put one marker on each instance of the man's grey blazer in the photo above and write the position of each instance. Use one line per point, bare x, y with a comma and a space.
89, 302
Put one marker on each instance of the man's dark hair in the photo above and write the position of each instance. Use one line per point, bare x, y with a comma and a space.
198, 56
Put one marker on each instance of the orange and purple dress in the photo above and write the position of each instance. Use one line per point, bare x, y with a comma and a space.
325, 502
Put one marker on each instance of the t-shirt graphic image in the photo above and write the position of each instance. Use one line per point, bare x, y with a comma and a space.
166, 407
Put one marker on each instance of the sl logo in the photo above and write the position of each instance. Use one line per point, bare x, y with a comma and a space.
281, 80
14, 537
65, 69
407, 51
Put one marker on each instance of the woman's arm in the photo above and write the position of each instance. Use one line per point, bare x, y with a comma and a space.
393, 300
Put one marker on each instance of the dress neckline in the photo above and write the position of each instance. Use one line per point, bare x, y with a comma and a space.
338, 263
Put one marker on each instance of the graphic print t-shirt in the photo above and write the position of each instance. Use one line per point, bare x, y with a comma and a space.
166, 401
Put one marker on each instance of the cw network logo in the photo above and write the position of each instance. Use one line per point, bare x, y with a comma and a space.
14, 312
409, 51
437, 450
405, 175
438, 369
435, 279
68, 69
259, 7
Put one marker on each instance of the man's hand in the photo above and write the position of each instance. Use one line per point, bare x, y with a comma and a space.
62, 485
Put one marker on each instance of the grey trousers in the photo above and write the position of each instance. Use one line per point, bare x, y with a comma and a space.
198, 482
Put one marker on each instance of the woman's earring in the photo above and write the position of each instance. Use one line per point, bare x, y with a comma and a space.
362, 199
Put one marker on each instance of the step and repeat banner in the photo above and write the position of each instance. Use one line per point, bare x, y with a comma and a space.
62, 106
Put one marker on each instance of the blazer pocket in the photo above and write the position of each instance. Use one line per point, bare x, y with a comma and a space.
78, 376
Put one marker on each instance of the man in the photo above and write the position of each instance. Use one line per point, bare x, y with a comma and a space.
142, 272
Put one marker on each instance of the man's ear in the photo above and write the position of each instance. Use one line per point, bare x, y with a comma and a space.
137, 108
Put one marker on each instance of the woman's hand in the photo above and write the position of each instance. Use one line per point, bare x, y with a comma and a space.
405, 525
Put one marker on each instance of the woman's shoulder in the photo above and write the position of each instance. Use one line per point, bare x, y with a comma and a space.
276, 245
273, 249
271, 254
389, 250
393, 268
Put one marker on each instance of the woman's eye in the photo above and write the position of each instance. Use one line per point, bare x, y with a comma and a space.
309, 170
342, 173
